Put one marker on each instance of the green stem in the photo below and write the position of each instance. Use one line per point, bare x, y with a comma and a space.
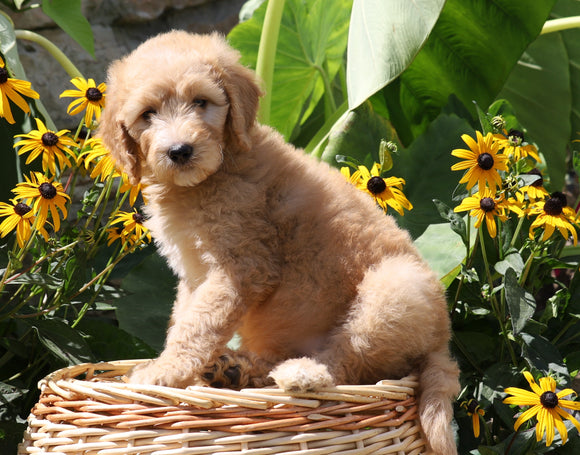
485, 260
527, 268
517, 232
56, 53
557, 25
563, 331
496, 307
267, 55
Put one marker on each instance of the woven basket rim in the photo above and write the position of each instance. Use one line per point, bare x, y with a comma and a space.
89, 407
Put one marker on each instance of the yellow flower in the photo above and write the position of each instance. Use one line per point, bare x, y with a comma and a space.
482, 161
45, 196
554, 213
386, 192
132, 232
50, 144
514, 145
134, 190
354, 178
546, 404
89, 96
475, 412
105, 165
12, 89
535, 191
19, 217
484, 205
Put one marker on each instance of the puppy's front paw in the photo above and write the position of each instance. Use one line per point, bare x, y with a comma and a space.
161, 372
225, 372
302, 375
236, 370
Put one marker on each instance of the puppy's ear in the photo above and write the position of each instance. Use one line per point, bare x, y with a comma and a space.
113, 132
241, 86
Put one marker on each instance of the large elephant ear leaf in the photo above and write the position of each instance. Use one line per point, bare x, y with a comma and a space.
311, 49
384, 37
470, 52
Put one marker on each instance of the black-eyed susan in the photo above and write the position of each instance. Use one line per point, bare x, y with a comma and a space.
535, 191
88, 96
134, 190
553, 213
515, 147
548, 406
44, 195
352, 178
19, 216
385, 191
12, 90
474, 411
99, 156
482, 161
53, 146
132, 232
483, 205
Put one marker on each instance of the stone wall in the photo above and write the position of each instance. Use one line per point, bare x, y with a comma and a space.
118, 26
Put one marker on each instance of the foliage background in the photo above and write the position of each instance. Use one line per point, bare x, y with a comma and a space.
437, 70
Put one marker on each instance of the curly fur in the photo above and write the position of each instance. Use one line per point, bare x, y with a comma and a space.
321, 286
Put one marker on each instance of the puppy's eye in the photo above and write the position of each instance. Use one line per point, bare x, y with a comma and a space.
199, 102
148, 114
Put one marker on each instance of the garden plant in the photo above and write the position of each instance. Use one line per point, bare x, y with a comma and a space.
459, 117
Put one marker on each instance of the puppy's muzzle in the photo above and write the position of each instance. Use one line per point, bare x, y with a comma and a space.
180, 153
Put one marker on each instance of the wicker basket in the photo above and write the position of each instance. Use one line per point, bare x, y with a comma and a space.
88, 409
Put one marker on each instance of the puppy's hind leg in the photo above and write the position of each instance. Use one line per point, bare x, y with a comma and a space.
398, 324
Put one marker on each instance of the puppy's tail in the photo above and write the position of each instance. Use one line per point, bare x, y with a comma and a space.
438, 386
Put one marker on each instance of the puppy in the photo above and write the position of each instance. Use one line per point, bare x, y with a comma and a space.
320, 285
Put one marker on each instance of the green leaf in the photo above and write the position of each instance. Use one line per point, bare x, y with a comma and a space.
109, 342
456, 222
470, 53
521, 304
512, 260
539, 89
144, 312
439, 238
311, 49
426, 168
358, 135
68, 15
62, 341
42, 280
384, 37
543, 355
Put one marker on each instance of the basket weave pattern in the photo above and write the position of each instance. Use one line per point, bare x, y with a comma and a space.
88, 409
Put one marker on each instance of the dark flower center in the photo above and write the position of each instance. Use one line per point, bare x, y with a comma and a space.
538, 182
487, 204
49, 139
549, 400
555, 204
376, 185
47, 190
3, 75
138, 218
472, 406
93, 94
515, 137
485, 161
21, 209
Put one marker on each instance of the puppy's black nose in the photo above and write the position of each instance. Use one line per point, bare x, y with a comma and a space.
180, 153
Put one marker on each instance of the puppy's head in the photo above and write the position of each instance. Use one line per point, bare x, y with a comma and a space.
175, 105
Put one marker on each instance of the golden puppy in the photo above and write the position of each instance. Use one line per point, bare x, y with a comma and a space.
321, 286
